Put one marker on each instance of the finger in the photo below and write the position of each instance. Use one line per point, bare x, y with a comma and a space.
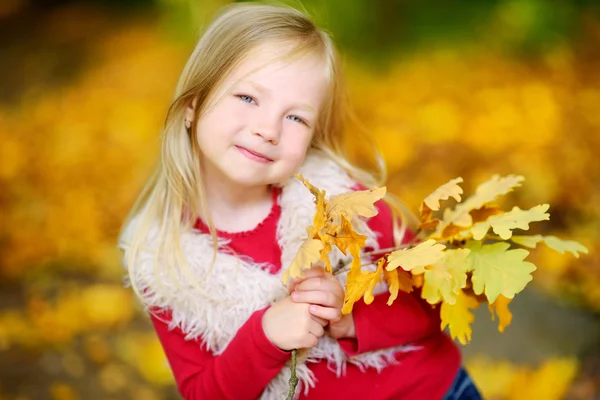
319, 297
323, 322
293, 284
316, 329
306, 274
313, 342
327, 313
313, 271
321, 283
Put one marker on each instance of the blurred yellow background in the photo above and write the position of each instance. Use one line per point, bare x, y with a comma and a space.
447, 89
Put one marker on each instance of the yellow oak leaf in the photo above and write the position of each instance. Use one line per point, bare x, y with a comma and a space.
428, 225
500, 308
361, 284
397, 280
445, 278
450, 231
553, 242
485, 193
319, 218
420, 256
343, 235
425, 213
324, 256
432, 202
361, 203
355, 266
497, 270
444, 192
503, 224
308, 253
458, 317
483, 213
418, 280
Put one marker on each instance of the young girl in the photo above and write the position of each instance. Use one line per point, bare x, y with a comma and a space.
260, 99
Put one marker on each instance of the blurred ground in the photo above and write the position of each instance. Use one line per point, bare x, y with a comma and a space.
501, 87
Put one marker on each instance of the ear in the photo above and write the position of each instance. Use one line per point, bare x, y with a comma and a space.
189, 111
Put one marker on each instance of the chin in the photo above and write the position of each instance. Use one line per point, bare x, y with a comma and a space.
248, 179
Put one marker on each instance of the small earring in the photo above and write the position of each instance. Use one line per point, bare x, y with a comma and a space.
188, 124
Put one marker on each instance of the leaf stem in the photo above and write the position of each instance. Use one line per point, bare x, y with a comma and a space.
293, 378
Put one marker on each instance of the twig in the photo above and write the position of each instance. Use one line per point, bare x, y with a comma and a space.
293, 378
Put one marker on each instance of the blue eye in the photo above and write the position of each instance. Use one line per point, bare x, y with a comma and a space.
295, 118
245, 98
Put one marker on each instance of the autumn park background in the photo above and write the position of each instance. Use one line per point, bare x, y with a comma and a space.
446, 88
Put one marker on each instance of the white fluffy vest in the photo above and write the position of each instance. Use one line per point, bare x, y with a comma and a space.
237, 287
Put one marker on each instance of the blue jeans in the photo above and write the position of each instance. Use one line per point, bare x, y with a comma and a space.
463, 388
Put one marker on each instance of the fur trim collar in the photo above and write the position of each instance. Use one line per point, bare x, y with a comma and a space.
237, 287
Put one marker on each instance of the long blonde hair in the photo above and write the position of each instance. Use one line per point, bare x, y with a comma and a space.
174, 196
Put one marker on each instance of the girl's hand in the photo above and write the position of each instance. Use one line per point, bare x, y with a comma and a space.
289, 325
325, 295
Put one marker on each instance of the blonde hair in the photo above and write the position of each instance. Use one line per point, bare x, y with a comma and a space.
174, 197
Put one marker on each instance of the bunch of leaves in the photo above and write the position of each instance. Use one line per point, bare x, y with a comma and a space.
467, 257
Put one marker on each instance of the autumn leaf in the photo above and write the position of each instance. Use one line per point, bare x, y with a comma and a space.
343, 236
553, 242
485, 193
319, 218
324, 256
444, 192
425, 214
397, 280
497, 270
432, 202
428, 225
451, 231
360, 202
500, 308
503, 224
444, 278
361, 284
420, 256
458, 317
418, 280
483, 213
308, 253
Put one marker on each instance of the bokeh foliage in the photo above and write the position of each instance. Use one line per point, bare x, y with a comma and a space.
446, 89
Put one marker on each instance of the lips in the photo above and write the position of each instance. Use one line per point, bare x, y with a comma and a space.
253, 155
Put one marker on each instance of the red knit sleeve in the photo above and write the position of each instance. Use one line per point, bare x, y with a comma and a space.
408, 319
242, 371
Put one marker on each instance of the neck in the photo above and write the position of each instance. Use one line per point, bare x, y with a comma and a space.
233, 207
222, 196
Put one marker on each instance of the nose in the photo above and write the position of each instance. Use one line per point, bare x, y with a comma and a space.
268, 127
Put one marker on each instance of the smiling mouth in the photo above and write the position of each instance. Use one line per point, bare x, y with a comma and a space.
253, 155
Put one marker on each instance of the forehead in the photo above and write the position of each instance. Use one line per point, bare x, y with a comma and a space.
273, 62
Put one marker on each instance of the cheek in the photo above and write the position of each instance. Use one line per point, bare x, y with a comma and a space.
298, 145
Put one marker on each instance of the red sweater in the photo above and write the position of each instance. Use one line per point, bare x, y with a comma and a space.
250, 361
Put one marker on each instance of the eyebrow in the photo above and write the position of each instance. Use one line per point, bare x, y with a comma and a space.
263, 89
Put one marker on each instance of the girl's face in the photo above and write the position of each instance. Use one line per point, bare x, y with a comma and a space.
259, 123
